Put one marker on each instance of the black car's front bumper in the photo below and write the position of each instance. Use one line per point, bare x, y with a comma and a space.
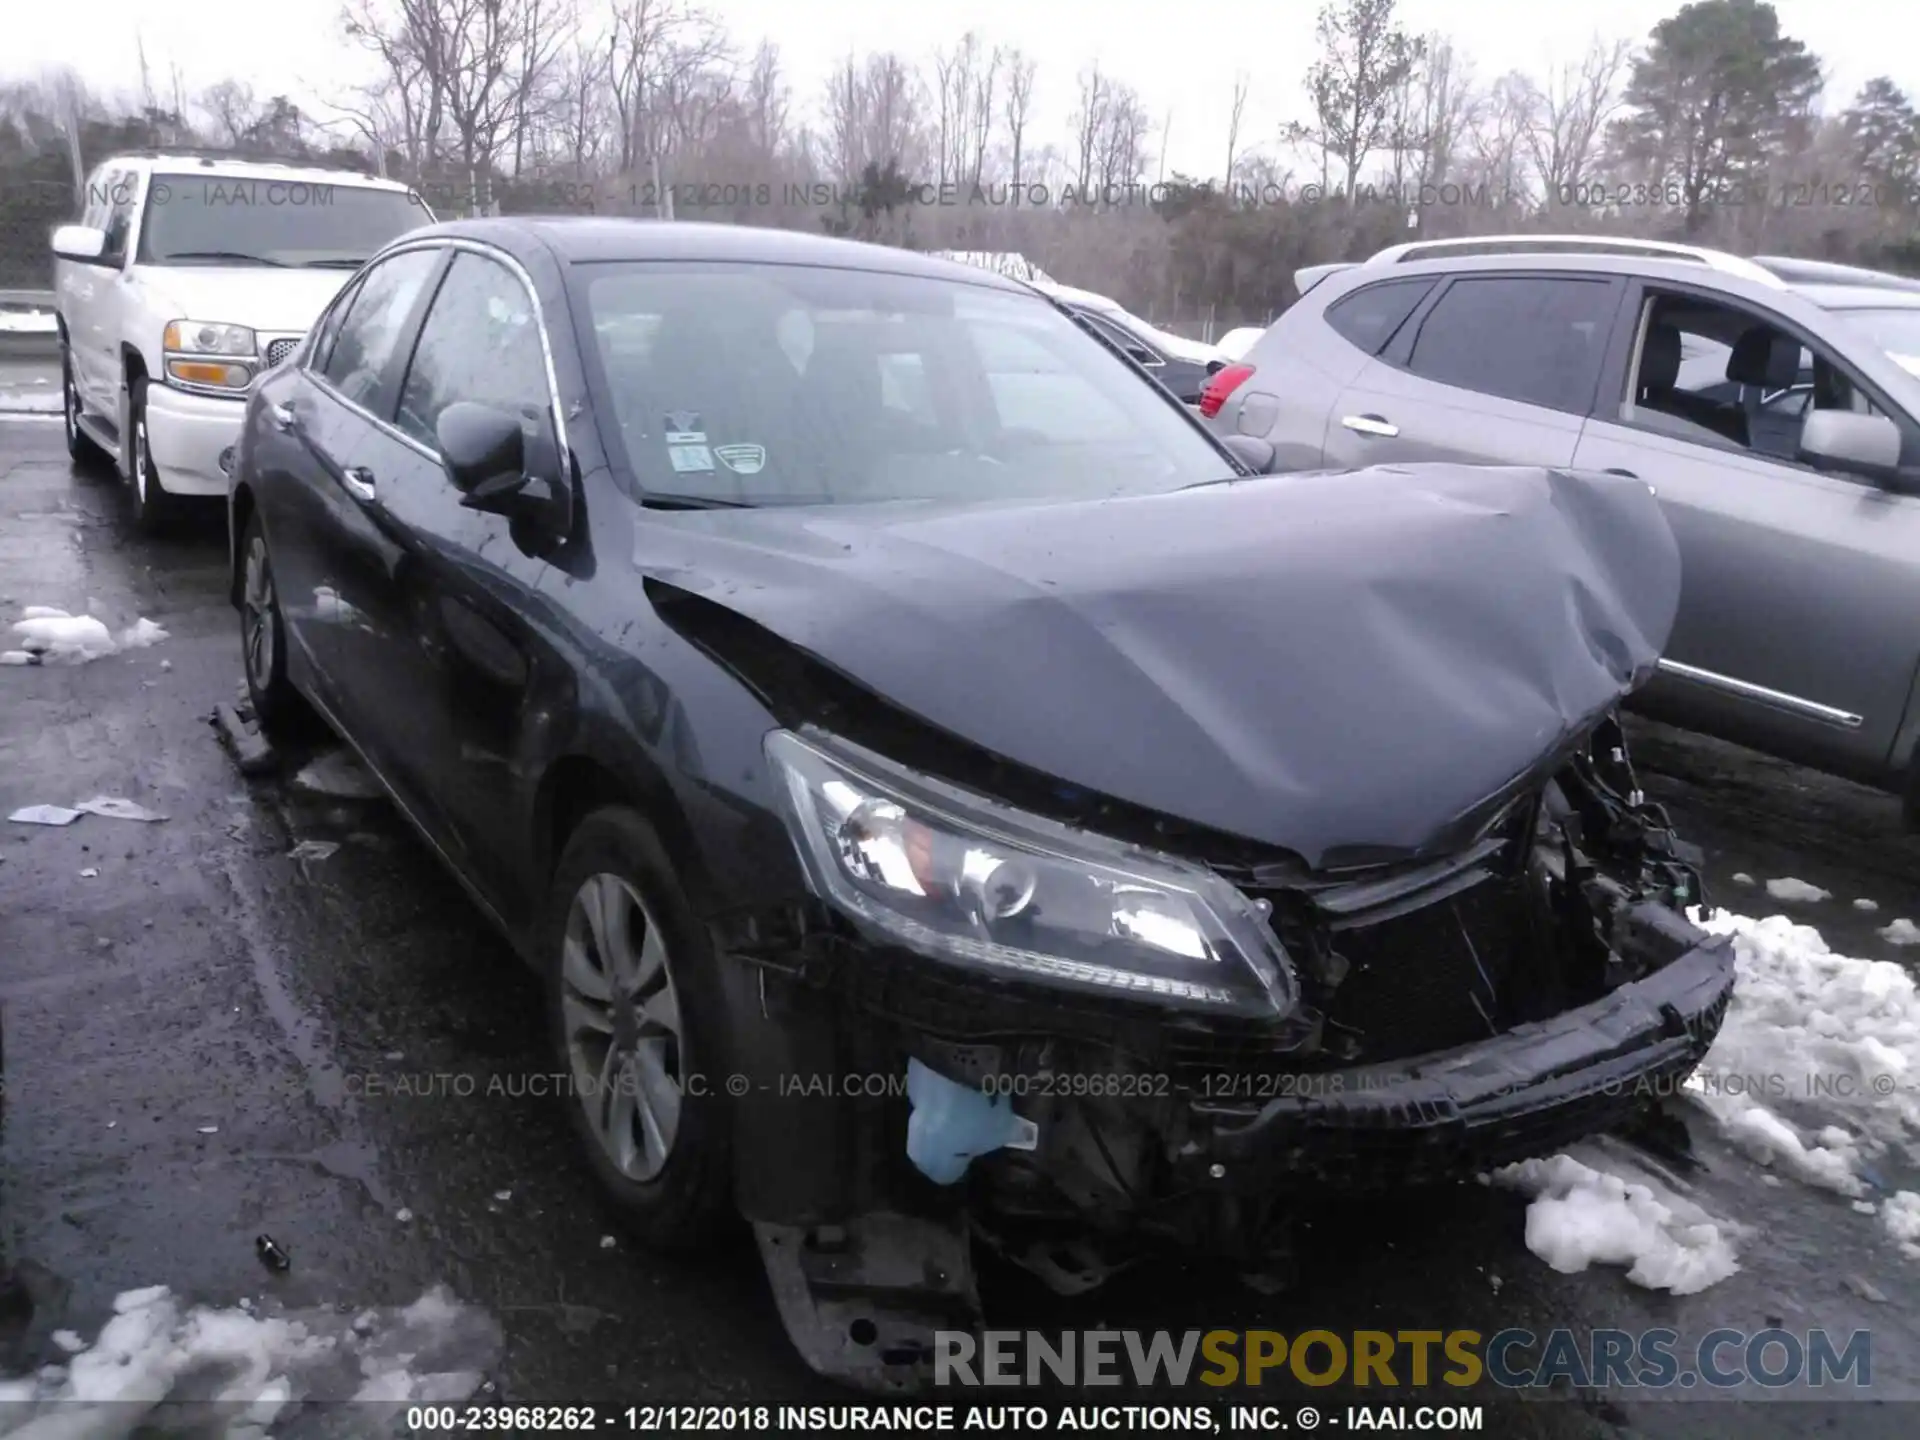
1459, 1112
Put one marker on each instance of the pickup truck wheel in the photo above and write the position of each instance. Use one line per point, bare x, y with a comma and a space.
80, 445
633, 1010
154, 508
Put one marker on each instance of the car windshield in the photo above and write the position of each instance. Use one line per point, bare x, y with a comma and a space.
793, 385
1896, 331
224, 220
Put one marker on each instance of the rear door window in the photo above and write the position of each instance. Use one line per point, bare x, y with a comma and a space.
1369, 317
1535, 339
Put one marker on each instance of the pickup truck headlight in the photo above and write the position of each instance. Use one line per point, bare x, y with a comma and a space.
197, 351
980, 885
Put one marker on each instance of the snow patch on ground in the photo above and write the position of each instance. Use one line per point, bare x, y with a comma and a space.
1832, 1041
1582, 1215
1900, 932
27, 322
47, 636
244, 1366
1792, 891
1901, 1217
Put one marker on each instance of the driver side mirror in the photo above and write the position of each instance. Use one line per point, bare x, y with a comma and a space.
1846, 440
79, 242
498, 470
1251, 451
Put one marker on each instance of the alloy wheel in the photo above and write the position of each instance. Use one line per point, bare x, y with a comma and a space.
257, 615
140, 456
622, 1023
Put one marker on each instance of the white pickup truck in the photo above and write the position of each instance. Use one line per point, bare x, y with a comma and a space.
189, 276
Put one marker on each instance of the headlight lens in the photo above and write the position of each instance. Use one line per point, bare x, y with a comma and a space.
210, 337
981, 885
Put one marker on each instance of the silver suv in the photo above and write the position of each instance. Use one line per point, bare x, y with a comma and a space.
1773, 405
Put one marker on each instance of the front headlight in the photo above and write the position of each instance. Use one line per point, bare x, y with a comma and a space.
196, 351
981, 885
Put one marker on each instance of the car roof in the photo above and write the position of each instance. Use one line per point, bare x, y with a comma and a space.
1859, 297
240, 168
598, 239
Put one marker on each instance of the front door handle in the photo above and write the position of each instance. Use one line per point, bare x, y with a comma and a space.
282, 416
359, 481
1370, 425
1629, 475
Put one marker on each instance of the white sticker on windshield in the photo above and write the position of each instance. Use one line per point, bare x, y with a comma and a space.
1909, 363
689, 458
743, 459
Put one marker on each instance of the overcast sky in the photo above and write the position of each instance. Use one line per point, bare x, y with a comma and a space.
1181, 57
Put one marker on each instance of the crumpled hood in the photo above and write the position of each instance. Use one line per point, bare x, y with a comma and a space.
1317, 661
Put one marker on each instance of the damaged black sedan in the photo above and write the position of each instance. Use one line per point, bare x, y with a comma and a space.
948, 796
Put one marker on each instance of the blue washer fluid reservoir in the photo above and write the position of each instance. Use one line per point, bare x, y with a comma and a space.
951, 1123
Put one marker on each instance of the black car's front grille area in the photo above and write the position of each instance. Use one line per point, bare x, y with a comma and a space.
1431, 979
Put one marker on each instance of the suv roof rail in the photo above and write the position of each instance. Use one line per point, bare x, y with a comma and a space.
1578, 245
240, 156
1828, 272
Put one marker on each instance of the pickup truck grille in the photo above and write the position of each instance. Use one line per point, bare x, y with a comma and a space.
278, 350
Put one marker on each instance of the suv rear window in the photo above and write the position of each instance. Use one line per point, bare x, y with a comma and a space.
1535, 339
1369, 317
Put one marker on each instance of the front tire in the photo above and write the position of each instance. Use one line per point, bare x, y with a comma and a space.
80, 446
278, 708
154, 509
633, 1012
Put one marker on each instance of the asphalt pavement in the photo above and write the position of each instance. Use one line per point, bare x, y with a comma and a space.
208, 1038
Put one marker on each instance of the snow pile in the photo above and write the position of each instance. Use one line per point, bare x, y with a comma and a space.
242, 1367
27, 322
1901, 1216
1833, 1037
1583, 1216
1791, 890
50, 636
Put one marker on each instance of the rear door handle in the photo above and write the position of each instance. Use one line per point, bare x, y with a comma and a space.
359, 481
1370, 425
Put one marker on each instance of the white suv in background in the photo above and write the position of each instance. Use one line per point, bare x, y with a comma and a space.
188, 276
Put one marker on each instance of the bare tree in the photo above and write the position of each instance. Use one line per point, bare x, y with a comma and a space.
767, 100
873, 117
1571, 114
1365, 59
1017, 111
230, 107
986, 80
1090, 122
653, 50
1497, 146
1240, 87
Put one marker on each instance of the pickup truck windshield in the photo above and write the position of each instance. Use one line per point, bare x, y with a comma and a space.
222, 220
753, 384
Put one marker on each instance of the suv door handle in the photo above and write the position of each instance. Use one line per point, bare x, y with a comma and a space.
1370, 425
359, 481
282, 416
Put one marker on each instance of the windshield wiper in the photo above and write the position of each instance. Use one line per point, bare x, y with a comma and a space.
660, 500
222, 255
345, 263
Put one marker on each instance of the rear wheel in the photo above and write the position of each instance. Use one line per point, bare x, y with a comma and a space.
80, 445
154, 508
633, 1012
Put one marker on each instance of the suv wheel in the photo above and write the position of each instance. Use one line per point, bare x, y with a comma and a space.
153, 507
633, 1007
80, 446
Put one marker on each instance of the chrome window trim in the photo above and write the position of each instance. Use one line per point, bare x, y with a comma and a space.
1778, 699
519, 273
